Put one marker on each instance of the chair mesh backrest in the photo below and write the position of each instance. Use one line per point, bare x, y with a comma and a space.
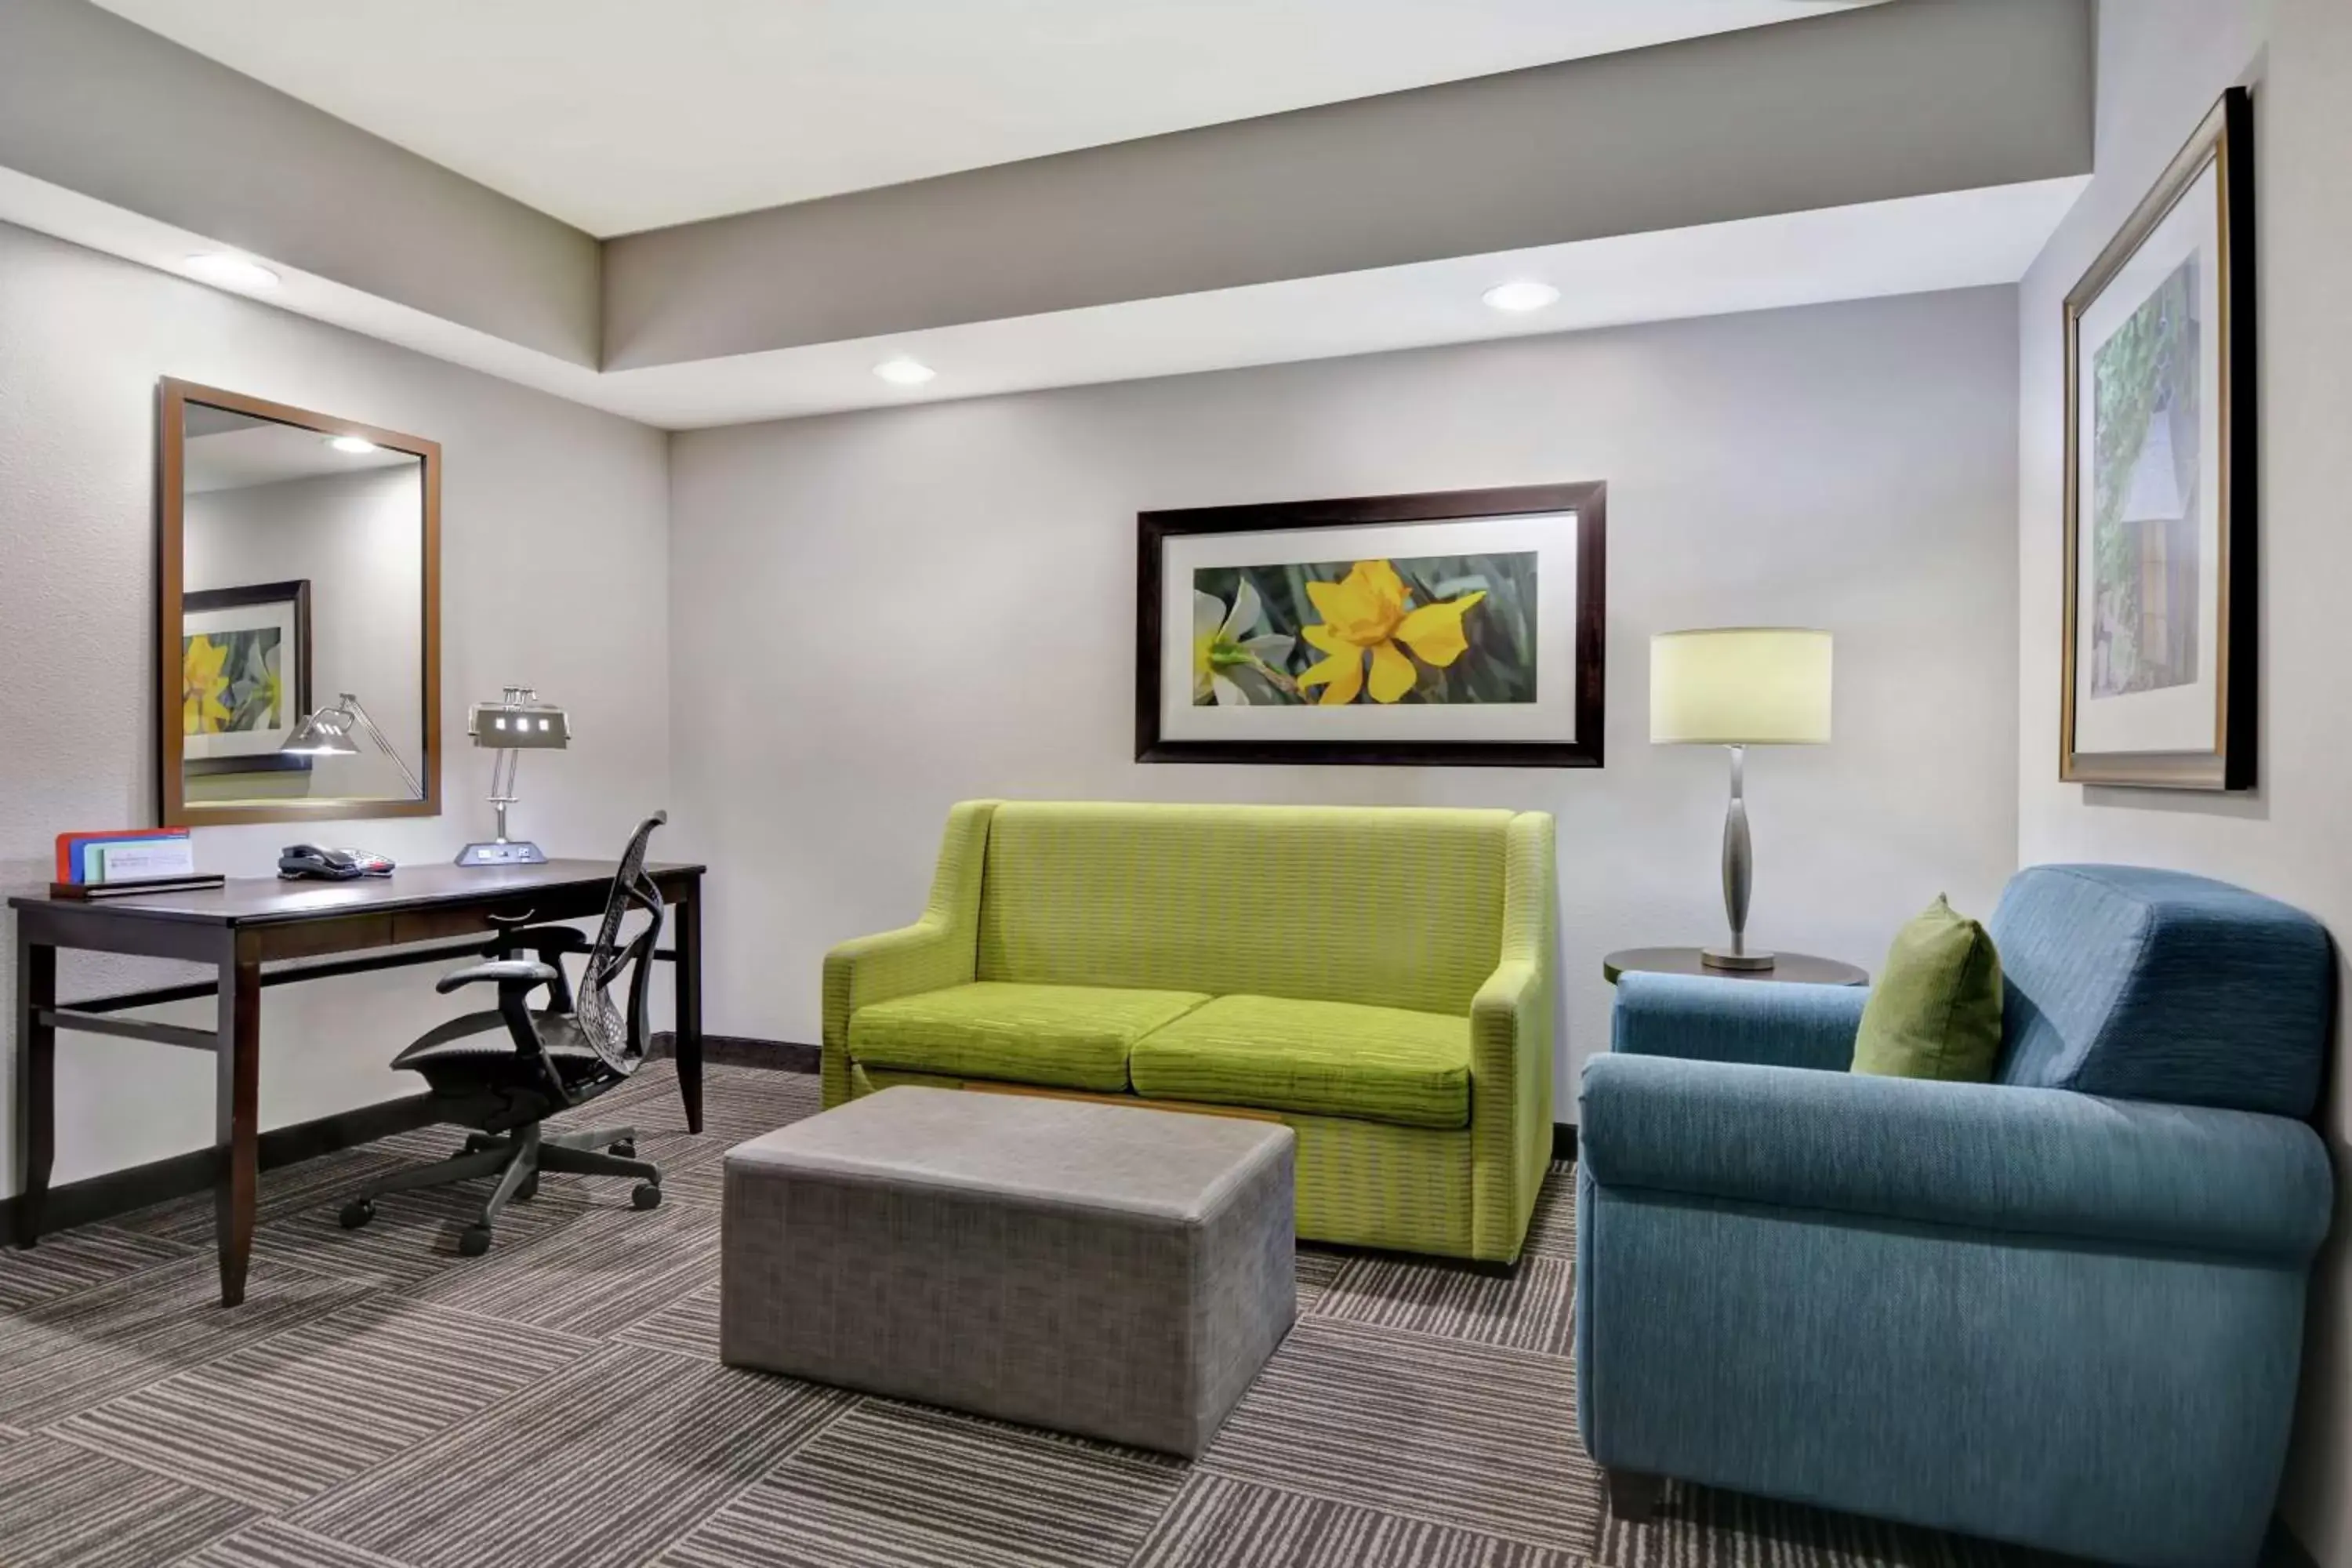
620, 1038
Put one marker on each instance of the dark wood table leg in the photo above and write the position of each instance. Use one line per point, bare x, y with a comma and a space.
237, 1129
688, 980
36, 1079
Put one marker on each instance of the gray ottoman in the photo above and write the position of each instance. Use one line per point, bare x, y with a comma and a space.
1114, 1273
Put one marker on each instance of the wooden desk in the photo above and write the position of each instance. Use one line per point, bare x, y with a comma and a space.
253, 920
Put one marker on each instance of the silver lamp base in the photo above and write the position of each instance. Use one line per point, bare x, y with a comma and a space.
502, 852
1718, 958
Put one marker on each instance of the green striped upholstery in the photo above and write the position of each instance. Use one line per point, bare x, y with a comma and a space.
1069, 1036
1329, 1058
933, 952
1435, 912
1396, 909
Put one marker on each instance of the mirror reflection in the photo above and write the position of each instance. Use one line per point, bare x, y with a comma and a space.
302, 615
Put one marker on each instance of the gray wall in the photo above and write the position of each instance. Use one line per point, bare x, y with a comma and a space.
2162, 64
575, 499
879, 613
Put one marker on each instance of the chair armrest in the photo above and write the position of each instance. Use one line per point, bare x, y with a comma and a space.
1986, 1156
1511, 1050
549, 942
938, 951
1707, 1020
524, 971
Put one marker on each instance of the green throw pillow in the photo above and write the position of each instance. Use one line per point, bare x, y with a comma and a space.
1936, 1011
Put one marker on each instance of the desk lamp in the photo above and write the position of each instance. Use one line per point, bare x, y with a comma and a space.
1740, 687
328, 733
517, 722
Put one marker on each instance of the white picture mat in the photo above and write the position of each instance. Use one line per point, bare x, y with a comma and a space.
2174, 717
1551, 718
242, 618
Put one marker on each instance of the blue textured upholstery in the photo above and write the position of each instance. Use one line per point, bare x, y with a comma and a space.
2066, 1320
2148, 985
2032, 1162
1707, 1020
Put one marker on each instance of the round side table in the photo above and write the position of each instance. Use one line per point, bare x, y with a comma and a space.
1788, 968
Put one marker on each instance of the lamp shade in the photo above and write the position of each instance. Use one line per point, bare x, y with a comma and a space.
325, 733
1740, 685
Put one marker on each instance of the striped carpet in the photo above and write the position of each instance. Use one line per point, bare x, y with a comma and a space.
381, 1402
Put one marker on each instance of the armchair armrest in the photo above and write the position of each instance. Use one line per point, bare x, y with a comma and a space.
939, 950
1986, 1156
1728, 1021
1511, 1050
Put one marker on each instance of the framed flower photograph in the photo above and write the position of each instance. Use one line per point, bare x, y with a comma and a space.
244, 681
2158, 661
1456, 627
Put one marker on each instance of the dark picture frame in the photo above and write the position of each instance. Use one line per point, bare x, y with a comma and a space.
1587, 639
297, 591
2224, 759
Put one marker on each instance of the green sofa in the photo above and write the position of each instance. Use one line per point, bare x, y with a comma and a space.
1381, 981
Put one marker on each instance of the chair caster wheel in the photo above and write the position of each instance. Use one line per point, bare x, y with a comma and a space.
357, 1212
474, 1240
646, 1195
528, 1191
626, 1149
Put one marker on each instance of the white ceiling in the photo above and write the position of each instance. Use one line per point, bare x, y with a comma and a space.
619, 115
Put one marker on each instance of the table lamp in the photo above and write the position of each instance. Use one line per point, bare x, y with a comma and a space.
1740, 687
517, 722
328, 733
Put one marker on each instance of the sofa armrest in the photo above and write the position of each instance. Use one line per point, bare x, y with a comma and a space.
1700, 1019
1985, 1156
938, 951
1511, 1050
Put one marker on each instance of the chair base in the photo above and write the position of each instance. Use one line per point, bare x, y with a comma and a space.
516, 1159
1634, 1496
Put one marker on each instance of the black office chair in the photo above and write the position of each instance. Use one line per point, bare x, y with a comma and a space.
562, 1055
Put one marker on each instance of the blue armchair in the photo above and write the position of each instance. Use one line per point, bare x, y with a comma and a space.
2064, 1308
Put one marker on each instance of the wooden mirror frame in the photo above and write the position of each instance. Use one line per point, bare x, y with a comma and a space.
175, 809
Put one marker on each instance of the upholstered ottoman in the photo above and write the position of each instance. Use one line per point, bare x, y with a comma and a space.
1111, 1271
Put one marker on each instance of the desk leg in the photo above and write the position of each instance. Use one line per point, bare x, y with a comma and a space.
688, 980
36, 1079
237, 1130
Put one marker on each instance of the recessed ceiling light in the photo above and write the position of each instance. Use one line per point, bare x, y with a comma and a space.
1525, 295
231, 272
355, 445
904, 372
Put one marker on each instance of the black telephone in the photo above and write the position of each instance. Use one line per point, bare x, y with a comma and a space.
298, 861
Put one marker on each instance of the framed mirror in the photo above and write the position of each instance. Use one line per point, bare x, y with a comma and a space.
297, 614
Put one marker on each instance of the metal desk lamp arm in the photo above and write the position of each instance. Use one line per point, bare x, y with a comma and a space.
368, 726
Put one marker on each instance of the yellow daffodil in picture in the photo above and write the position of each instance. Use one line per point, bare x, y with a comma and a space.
1369, 622
202, 683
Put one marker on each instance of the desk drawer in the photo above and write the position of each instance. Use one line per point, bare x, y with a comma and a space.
482, 920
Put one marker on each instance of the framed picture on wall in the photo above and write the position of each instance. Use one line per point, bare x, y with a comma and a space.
245, 681
1456, 627
2158, 661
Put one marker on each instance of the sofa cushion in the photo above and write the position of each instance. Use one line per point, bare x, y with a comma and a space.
1067, 1037
1318, 1059
1396, 906
1935, 1010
